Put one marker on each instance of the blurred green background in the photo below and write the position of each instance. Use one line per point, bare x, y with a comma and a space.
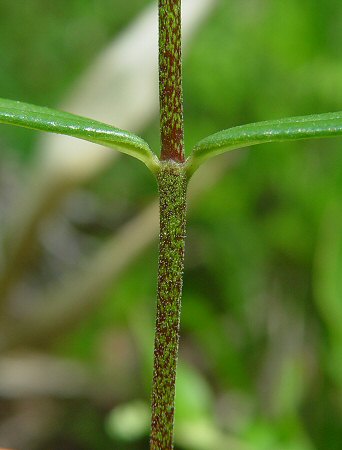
261, 346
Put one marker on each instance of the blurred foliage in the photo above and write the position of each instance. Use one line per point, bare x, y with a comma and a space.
45, 45
262, 311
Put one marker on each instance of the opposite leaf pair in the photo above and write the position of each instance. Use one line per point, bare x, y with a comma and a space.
293, 128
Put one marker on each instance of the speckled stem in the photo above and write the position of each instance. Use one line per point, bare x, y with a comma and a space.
170, 80
172, 183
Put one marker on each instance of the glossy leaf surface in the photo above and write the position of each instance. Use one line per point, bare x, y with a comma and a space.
289, 129
46, 119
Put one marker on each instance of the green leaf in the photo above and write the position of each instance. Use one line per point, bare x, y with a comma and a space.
46, 119
289, 129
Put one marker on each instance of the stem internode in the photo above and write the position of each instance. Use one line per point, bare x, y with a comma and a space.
172, 183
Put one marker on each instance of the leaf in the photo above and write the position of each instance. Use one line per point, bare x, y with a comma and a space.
46, 119
289, 129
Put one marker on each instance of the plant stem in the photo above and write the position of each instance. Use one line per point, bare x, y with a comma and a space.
172, 182
170, 80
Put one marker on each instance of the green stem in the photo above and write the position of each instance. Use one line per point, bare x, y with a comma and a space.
172, 183
170, 80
